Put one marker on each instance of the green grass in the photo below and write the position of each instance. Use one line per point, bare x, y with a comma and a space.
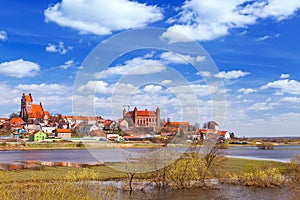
59, 173
238, 165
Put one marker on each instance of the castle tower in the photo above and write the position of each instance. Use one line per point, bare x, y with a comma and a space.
158, 117
135, 112
124, 113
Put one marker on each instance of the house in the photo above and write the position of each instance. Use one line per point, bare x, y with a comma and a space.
63, 133
48, 129
32, 127
224, 135
211, 125
17, 121
177, 126
37, 136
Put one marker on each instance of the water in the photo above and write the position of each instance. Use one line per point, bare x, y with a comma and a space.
280, 153
221, 192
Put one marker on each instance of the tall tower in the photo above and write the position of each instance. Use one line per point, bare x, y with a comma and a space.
158, 117
23, 113
124, 113
135, 112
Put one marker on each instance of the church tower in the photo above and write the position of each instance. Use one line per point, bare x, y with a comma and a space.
23, 113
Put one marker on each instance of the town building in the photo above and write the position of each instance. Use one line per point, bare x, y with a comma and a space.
62, 133
30, 111
142, 118
37, 136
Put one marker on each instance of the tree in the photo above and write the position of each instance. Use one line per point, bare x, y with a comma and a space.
13, 115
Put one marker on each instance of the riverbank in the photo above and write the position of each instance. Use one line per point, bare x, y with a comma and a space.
76, 145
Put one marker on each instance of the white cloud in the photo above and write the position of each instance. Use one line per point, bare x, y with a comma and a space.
204, 73
60, 48
208, 20
3, 35
95, 86
19, 68
133, 67
234, 74
67, 64
166, 82
266, 37
176, 58
285, 86
44, 89
261, 106
284, 76
153, 88
102, 17
291, 99
246, 90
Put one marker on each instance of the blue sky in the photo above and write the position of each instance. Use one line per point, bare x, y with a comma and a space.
254, 45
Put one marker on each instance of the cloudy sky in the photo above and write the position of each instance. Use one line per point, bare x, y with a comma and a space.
251, 46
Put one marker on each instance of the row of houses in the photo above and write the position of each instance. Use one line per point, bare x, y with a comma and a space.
33, 119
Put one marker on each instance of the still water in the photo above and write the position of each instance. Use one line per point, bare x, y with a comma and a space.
280, 153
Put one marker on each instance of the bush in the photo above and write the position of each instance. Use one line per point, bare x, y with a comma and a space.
266, 145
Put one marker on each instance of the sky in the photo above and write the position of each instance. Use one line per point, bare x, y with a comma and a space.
236, 62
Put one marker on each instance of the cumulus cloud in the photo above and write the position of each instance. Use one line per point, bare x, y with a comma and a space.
19, 68
208, 20
204, 73
291, 99
260, 106
285, 86
3, 36
44, 89
176, 58
266, 37
284, 76
67, 64
133, 67
234, 74
246, 90
153, 88
102, 17
166, 82
59, 48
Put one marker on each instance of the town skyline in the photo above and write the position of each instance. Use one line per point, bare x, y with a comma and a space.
254, 45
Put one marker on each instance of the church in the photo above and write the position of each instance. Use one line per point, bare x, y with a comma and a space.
30, 111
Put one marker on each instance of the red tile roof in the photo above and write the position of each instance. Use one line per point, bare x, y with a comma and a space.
28, 98
60, 130
36, 111
17, 120
177, 124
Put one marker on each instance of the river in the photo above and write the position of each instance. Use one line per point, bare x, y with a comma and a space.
280, 153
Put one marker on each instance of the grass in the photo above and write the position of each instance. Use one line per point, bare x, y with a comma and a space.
59, 173
238, 165
232, 165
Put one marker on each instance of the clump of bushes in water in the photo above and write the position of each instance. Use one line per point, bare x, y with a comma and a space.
259, 177
265, 145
